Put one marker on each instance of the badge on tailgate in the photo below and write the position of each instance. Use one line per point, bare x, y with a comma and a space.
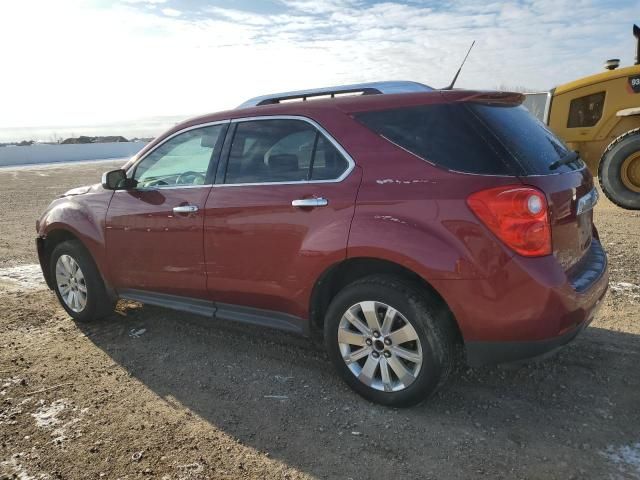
587, 201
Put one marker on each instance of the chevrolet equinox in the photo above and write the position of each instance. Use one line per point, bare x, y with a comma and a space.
394, 222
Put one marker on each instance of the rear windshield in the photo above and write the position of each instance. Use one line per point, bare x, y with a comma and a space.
473, 138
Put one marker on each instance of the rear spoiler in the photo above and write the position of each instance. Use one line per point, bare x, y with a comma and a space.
494, 98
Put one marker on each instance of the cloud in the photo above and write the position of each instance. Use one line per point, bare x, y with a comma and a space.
171, 12
81, 62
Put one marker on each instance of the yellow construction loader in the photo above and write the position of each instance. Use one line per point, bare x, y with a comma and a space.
599, 116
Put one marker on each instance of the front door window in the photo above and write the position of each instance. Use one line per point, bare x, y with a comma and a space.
181, 161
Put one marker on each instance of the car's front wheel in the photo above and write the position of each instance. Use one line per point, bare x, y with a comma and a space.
388, 341
78, 283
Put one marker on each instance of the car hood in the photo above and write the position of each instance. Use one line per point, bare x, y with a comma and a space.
82, 190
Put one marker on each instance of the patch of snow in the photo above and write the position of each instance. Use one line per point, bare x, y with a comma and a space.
8, 382
47, 417
626, 458
23, 276
18, 471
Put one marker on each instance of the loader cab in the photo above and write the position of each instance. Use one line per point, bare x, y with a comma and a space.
599, 116
591, 112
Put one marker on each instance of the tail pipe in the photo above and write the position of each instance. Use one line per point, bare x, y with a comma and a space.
636, 33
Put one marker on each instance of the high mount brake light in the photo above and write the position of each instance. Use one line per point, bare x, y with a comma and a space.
495, 98
517, 215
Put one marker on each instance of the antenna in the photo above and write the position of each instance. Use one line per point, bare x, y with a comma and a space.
453, 82
636, 33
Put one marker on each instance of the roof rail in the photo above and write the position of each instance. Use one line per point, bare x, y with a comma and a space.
373, 88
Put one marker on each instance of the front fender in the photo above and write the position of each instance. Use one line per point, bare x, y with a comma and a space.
83, 217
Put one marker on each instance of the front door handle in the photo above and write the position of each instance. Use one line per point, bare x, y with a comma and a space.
185, 209
310, 202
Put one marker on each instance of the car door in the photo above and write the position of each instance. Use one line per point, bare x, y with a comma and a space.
278, 215
154, 232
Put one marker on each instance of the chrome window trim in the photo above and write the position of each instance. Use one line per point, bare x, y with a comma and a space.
133, 166
343, 152
165, 187
313, 123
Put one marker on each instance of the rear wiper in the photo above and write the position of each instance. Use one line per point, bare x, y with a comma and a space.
568, 158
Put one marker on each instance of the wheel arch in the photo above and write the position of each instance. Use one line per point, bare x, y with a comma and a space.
54, 236
341, 274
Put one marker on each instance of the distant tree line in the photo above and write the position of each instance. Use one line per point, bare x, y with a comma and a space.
82, 139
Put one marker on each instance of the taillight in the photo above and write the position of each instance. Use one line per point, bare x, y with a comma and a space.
517, 215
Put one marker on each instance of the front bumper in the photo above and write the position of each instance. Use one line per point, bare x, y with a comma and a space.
43, 259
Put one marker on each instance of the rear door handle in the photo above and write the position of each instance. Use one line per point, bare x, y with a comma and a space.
185, 209
310, 202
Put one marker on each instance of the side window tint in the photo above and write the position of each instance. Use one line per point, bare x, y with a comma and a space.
182, 160
328, 163
586, 111
444, 134
266, 151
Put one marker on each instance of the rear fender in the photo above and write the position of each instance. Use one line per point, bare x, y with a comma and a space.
446, 250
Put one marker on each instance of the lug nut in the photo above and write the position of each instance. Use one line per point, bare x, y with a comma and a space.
368, 341
375, 354
387, 341
376, 334
387, 354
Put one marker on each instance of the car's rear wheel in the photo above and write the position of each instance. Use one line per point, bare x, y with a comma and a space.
390, 342
77, 282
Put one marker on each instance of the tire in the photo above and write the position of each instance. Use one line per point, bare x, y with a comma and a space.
610, 170
431, 322
92, 301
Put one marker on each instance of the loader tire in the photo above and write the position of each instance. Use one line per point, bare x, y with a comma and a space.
619, 170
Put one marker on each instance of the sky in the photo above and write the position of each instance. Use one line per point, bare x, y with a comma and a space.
136, 66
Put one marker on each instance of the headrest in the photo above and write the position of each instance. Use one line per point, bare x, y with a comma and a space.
209, 140
283, 162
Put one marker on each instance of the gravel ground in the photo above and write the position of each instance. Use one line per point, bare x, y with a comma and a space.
151, 393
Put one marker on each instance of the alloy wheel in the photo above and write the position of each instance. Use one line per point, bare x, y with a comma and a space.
380, 346
71, 283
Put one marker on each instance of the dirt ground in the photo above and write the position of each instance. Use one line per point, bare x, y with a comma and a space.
150, 393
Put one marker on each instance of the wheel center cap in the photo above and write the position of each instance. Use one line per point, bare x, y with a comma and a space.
378, 345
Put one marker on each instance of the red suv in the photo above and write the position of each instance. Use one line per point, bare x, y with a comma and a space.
393, 221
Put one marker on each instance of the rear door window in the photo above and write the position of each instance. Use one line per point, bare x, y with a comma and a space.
328, 163
276, 151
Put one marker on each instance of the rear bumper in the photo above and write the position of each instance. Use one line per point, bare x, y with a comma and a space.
527, 308
491, 353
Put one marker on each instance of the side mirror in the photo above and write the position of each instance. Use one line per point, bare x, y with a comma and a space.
117, 180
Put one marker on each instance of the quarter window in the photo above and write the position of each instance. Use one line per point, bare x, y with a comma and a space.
268, 151
586, 111
182, 160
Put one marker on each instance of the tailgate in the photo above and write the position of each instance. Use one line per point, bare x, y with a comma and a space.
570, 197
